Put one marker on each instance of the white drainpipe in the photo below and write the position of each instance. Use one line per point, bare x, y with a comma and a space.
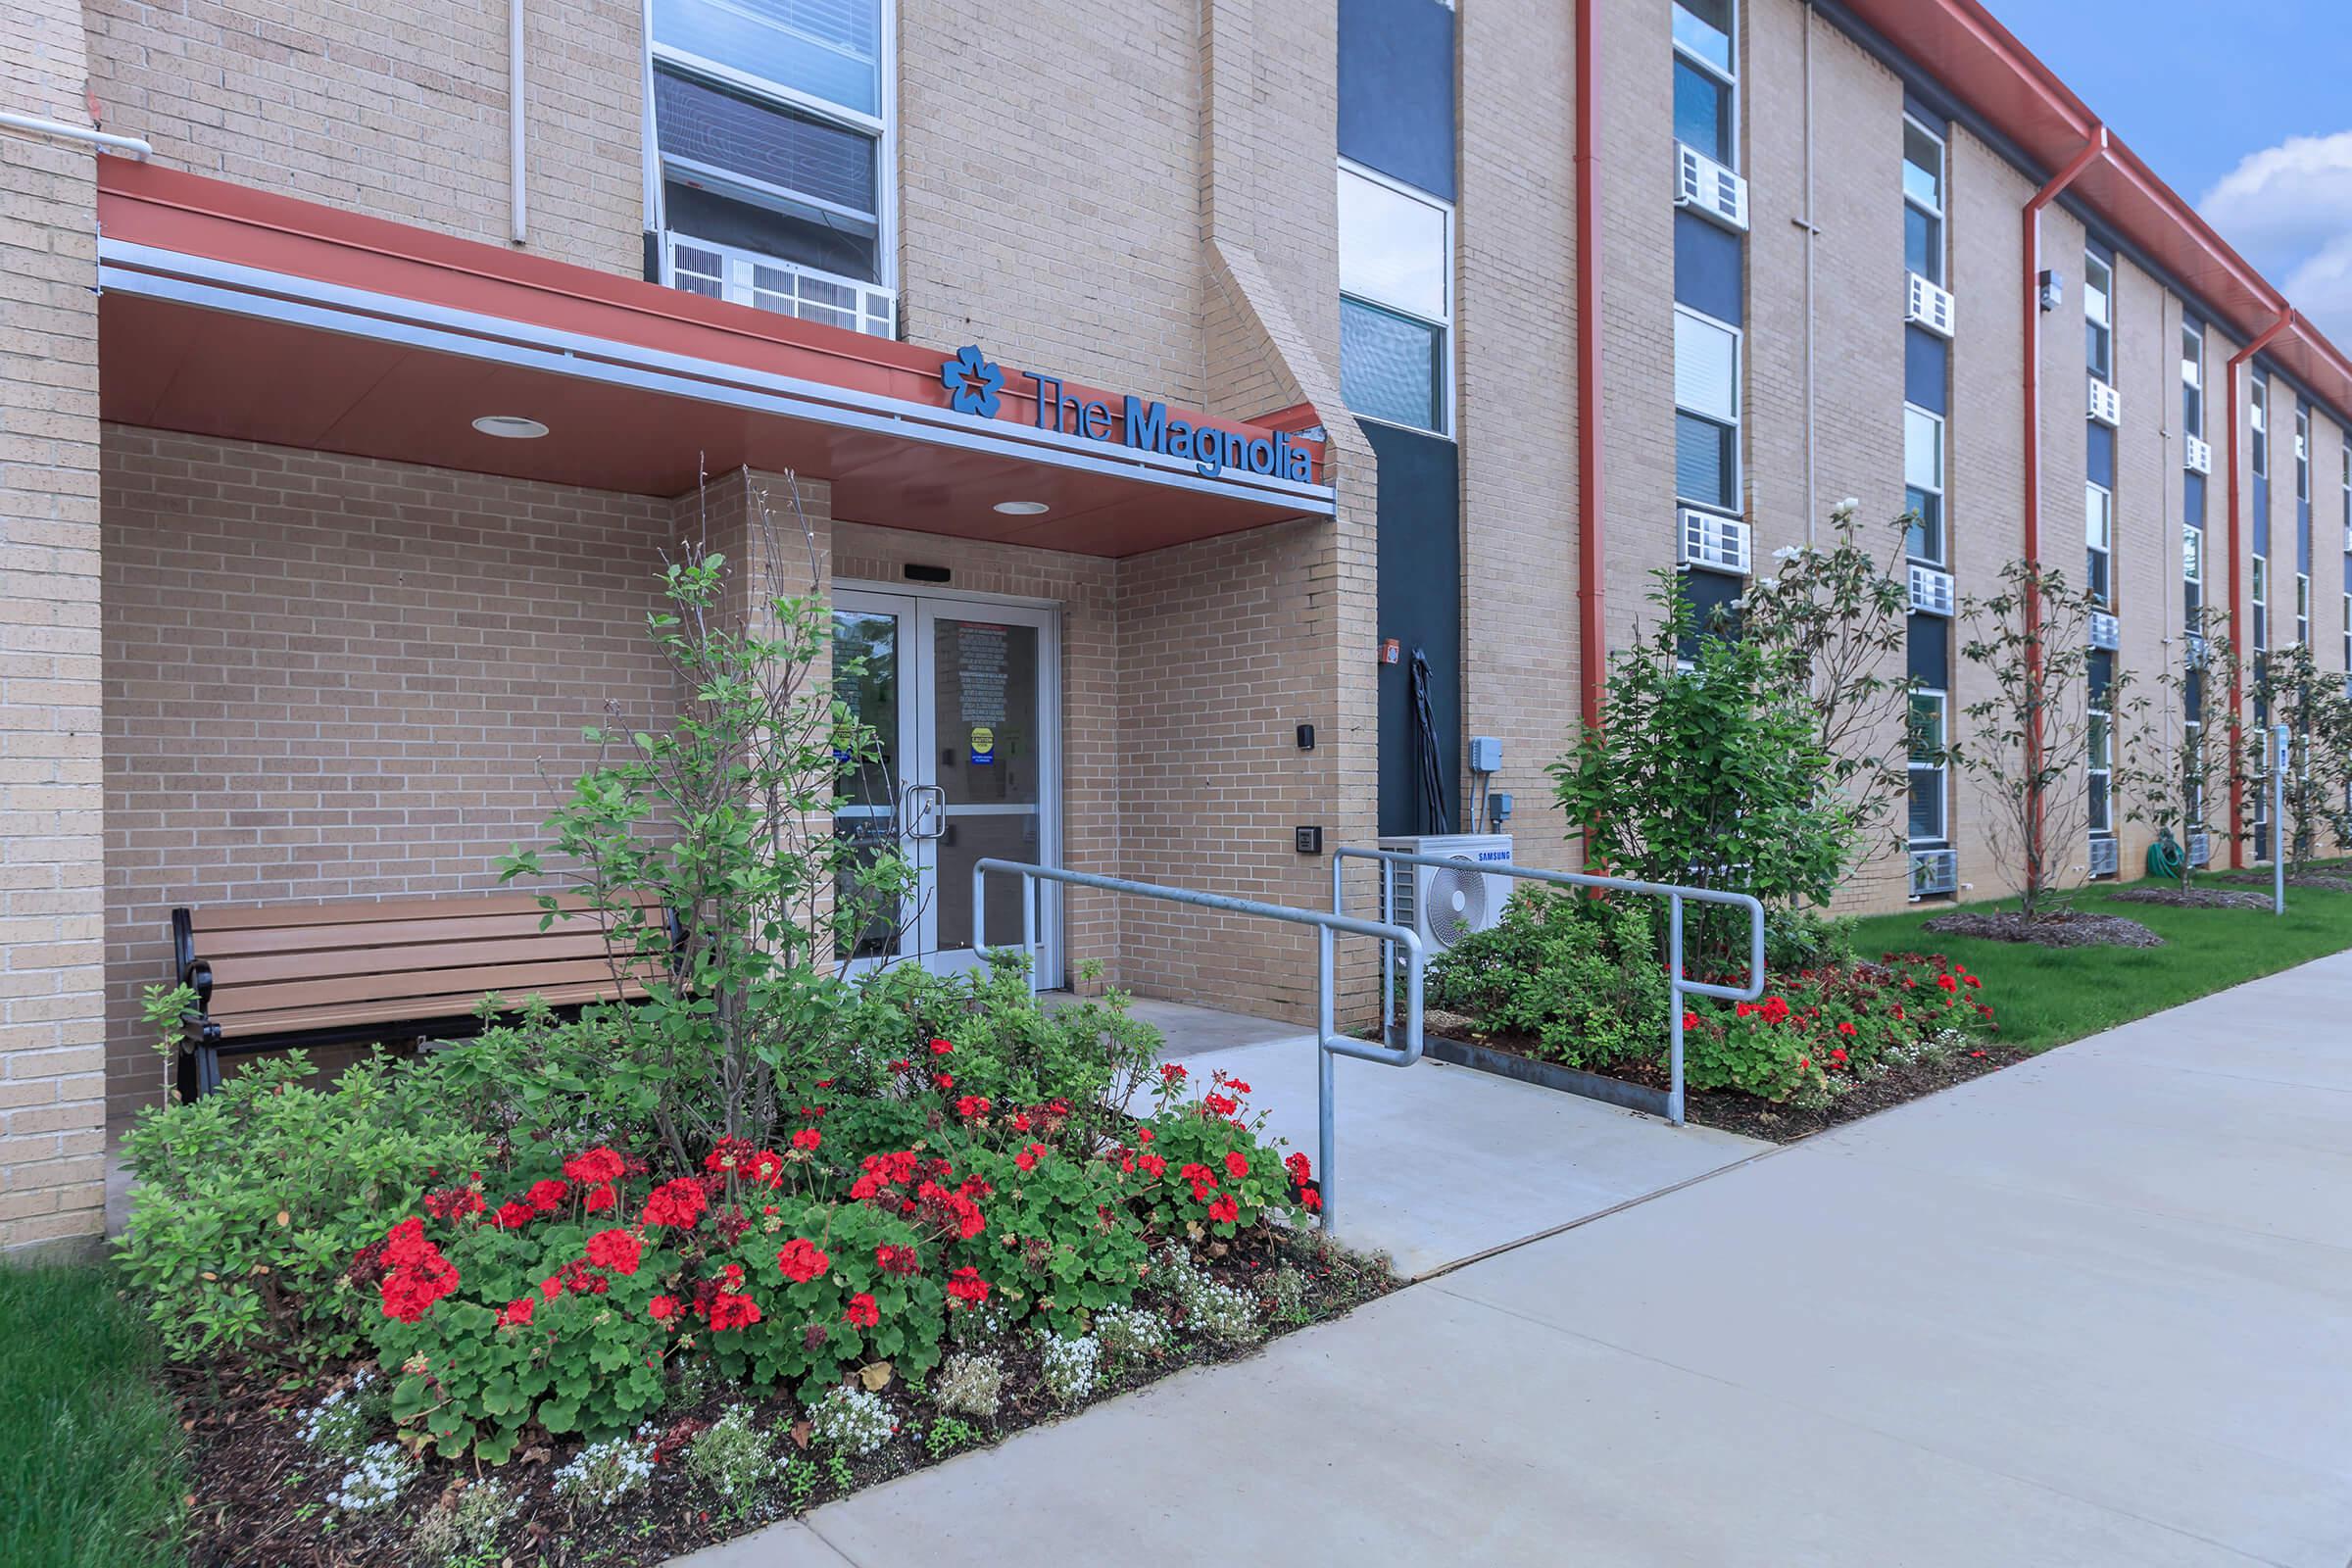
35, 126
515, 108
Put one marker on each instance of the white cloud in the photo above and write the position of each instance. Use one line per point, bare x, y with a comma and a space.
2288, 208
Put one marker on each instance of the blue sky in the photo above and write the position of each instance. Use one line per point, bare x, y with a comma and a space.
2247, 113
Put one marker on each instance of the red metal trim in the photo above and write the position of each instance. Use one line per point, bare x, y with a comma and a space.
1591, 592
2092, 150
2237, 559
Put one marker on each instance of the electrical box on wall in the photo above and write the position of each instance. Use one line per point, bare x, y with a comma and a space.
1307, 840
1485, 755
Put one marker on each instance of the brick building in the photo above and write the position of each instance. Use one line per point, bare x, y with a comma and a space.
354, 380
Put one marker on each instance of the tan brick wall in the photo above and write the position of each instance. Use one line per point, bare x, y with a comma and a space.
400, 113
51, 794
329, 678
1515, 330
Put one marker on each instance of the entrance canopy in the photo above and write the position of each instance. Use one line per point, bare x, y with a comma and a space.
230, 312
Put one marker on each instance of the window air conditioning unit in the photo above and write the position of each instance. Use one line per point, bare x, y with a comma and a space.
1443, 904
2200, 849
1708, 188
2197, 456
1929, 307
2105, 631
1714, 542
1935, 871
2106, 404
1931, 591
2103, 856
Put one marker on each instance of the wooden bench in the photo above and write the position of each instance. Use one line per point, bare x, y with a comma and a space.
279, 976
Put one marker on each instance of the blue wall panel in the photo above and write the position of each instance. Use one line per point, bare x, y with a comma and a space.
1396, 90
1420, 605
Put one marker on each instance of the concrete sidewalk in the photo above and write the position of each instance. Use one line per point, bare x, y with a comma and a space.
2097, 1309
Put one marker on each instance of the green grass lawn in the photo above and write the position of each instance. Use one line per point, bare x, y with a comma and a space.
2044, 996
90, 1448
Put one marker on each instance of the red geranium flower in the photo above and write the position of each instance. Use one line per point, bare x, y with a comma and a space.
548, 1196
1236, 1164
1300, 1166
967, 1287
807, 1138
661, 1308
1153, 1164
733, 1312
943, 1081
513, 1215
1028, 1157
942, 1048
601, 1198
678, 1203
895, 1259
1311, 1200
1845, 1027
1225, 1210
615, 1249
595, 1166
1173, 1073
972, 1107
519, 1310
861, 1311
800, 1260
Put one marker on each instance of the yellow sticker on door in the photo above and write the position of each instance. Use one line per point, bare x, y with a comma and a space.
984, 745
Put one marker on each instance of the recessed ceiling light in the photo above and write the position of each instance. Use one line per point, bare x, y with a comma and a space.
509, 426
1021, 508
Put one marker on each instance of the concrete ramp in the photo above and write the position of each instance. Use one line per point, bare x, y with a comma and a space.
1439, 1164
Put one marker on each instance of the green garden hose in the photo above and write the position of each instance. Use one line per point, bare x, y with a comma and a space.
2165, 857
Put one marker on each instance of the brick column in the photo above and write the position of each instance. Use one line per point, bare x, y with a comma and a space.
52, 867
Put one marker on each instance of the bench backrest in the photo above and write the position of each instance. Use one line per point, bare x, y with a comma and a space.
288, 969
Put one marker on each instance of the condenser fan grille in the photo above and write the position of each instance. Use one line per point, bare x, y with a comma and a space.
1455, 902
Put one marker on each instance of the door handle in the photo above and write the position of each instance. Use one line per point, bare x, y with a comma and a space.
926, 810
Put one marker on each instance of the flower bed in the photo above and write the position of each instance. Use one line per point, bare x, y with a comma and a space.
1576, 981
542, 1342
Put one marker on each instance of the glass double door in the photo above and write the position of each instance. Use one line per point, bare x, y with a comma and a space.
962, 696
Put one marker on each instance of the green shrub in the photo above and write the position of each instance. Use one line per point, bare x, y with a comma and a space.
1061, 1239
1199, 1167
252, 1200
1580, 976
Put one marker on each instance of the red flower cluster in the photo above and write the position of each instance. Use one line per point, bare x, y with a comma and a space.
513, 1214
418, 1274
886, 1175
807, 1139
968, 1287
862, 1311
453, 1202
615, 1249
661, 1308
800, 1260
1236, 1164
721, 1301
971, 1107
575, 1277
1225, 1210
1302, 1168
517, 1312
546, 1197
1028, 1157
678, 1203
942, 1048
897, 1260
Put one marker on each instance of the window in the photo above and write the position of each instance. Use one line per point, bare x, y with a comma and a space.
1706, 411
2101, 733
2259, 410
1707, 80
1927, 738
2098, 534
2302, 455
2192, 379
2098, 317
2260, 593
1923, 201
2303, 610
1923, 484
2348, 631
1395, 301
770, 133
2192, 566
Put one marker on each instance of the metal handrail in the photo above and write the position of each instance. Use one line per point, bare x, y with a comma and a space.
1672, 893
1329, 926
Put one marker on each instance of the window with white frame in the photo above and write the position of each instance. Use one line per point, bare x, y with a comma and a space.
2302, 455
1923, 484
2193, 379
1395, 301
2101, 733
1929, 803
2258, 413
770, 155
1706, 411
2303, 610
2348, 631
2192, 565
2098, 317
1706, 79
1923, 201
2098, 536
2259, 592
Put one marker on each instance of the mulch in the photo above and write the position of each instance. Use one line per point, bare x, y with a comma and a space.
2068, 928
1728, 1111
2321, 880
256, 1489
2195, 897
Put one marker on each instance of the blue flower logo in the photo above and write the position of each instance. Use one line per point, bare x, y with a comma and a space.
972, 383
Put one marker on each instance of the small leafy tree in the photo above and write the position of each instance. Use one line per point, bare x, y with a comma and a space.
2030, 740
1711, 775
709, 849
2289, 688
2181, 765
1841, 613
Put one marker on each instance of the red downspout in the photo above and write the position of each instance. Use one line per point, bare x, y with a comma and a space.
2093, 149
1592, 653
2238, 564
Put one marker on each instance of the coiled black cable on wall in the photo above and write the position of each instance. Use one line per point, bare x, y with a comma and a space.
1431, 768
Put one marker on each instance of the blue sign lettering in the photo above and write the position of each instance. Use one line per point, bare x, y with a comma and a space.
972, 383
